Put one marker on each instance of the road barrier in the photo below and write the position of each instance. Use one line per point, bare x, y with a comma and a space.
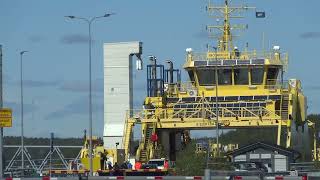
250, 175
232, 177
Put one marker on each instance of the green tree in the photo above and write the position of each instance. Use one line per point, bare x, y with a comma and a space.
189, 163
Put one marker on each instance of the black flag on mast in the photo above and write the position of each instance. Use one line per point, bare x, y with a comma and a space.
260, 14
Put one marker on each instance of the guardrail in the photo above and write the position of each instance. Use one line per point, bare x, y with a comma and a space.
173, 178
205, 111
250, 175
274, 57
271, 84
209, 175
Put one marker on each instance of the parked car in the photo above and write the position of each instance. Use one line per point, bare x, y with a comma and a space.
161, 163
250, 166
149, 166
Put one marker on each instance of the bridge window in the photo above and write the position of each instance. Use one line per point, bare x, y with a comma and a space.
257, 75
272, 73
241, 76
206, 77
191, 75
225, 76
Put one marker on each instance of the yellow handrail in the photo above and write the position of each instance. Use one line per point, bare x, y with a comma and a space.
171, 113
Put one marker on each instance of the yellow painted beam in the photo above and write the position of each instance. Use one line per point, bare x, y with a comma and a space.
200, 123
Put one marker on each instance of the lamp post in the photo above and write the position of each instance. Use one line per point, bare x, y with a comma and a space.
1, 106
90, 21
21, 97
217, 108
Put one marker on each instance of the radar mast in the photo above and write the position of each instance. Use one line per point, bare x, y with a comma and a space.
225, 12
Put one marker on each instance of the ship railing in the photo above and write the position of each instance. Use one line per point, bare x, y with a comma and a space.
272, 56
204, 111
185, 86
276, 84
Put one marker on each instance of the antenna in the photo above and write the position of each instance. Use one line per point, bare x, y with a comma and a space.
263, 42
226, 12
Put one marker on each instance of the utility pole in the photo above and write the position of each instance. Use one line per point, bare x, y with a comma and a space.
89, 22
21, 96
51, 151
1, 128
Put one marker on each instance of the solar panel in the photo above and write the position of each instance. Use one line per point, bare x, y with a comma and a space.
260, 97
243, 62
214, 63
229, 62
275, 97
200, 63
257, 61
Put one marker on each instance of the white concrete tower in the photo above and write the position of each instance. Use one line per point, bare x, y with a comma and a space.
118, 91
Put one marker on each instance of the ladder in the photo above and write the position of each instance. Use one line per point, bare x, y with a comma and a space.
284, 106
127, 138
144, 152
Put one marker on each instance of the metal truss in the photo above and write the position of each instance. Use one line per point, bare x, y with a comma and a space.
38, 167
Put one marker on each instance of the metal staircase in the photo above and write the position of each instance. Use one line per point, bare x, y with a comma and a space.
284, 106
127, 137
144, 151
143, 155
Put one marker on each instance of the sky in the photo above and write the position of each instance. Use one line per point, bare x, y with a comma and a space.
55, 70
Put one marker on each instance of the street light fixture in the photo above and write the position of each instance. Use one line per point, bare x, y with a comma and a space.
90, 21
21, 96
